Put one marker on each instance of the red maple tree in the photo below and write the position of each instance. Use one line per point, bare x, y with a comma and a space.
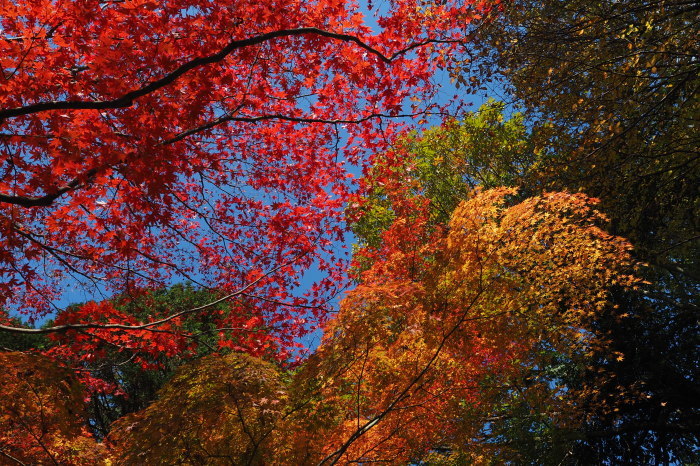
148, 142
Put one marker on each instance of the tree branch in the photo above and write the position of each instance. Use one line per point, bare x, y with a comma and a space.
334, 457
127, 100
146, 326
277, 116
48, 199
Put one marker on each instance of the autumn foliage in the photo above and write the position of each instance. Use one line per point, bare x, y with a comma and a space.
183, 168
436, 334
220, 408
150, 142
419, 354
43, 419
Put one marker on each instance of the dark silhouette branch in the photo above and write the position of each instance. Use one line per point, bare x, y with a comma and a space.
48, 199
127, 100
277, 116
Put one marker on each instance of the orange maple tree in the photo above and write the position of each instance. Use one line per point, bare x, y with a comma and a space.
42, 419
448, 321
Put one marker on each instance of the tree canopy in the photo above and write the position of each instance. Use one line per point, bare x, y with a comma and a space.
523, 288
151, 142
610, 92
